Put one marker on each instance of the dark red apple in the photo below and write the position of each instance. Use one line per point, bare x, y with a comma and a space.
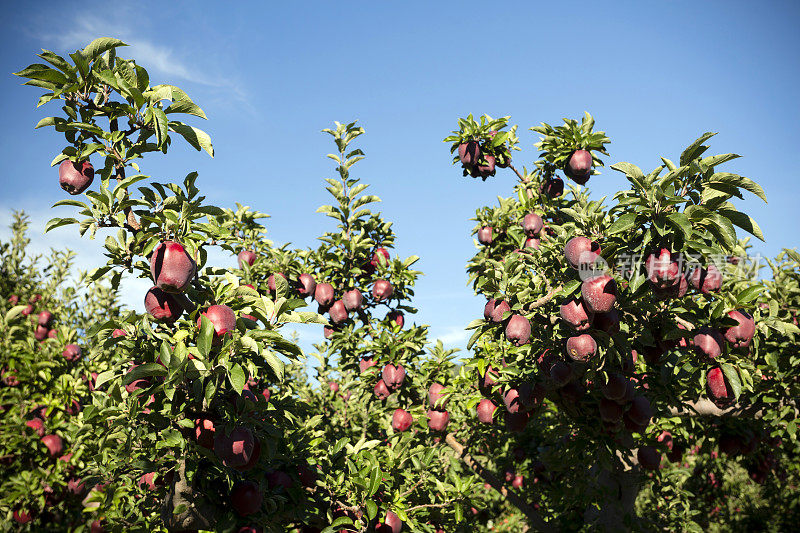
485, 235
649, 457
41, 333
438, 420
393, 376
45, 319
516, 422
236, 449
381, 391
575, 314
708, 343
706, 280
162, 305
554, 187
333, 386
610, 411
307, 286
118, 333
271, 281
718, 387
391, 524
172, 267
72, 352
561, 373
599, 293
246, 256
436, 396
640, 411
323, 294
581, 347
37, 425
498, 310
204, 432
352, 300
52, 334
338, 312
581, 253
518, 330
517, 481
279, 479
401, 420
740, 335
579, 166
513, 401
487, 167
380, 257
532, 242
487, 381
469, 153
395, 317
147, 481
75, 176
22, 517
54, 444
663, 268
366, 363
532, 224
615, 387
13, 299
222, 317
28, 310
485, 410
382, 290
246, 498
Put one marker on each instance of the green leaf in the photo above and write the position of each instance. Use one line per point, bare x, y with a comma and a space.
144, 371
374, 481
58, 222
186, 106
695, 150
721, 228
749, 294
206, 336
103, 377
743, 221
99, 46
160, 123
237, 378
738, 181
194, 136
623, 223
372, 510
681, 222
274, 363
732, 376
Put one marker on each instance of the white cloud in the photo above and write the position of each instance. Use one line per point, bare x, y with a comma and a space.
454, 337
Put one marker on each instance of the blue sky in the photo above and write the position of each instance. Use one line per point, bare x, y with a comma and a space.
270, 76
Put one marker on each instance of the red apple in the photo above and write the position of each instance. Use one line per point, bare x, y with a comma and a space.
172, 267
307, 285
246, 498
532, 224
37, 425
640, 411
338, 312
485, 235
740, 335
395, 318
532, 242
22, 517
401, 420
352, 300
41, 333
649, 457
75, 177
581, 348
599, 293
485, 410
663, 269
706, 280
498, 309
438, 420
581, 253
271, 281
381, 290
278, 479
391, 524
147, 480
554, 187
380, 257
246, 256
518, 330
45, 318
72, 352
162, 305
323, 294
236, 449
469, 153
54, 444
222, 317
204, 432
575, 314
436, 397
708, 343
366, 363
393, 376
118, 333
615, 387
381, 391
608, 322
579, 166
718, 387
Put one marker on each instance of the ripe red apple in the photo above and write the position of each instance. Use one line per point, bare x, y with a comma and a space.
52, 334
438, 420
254, 457
485, 410
147, 480
72, 352
279, 479
395, 317
382, 290
487, 168
579, 166
610, 411
615, 387
352, 300
518, 330
393, 376
436, 397
323, 294
118, 333
561, 373
246, 498
222, 317
401, 420
37, 425
649, 457
75, 176
581, 253
246, 256
532, 242
333, 386
390, 524
708, 343
740, 335
513, 401
338, 312
76, 486
608, 322
554, 187
172, 267
306, 286
487, 381
45, 318
28, 310
706, 280
236, 449
469, 153
54, 444
380, 257
718, 387
366, 363
204, 432
307, 477
575, 314
13, 299
41, 333
599, 293
22, 517
497, 310
485, 235
640, 411
162, 305
663, 269
581, 347
381, 391
532, 224
517, 481
516, 422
